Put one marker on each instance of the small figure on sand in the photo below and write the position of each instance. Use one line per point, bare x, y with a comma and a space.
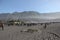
2, 25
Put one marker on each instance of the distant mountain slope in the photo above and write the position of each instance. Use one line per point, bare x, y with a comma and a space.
4, 16
20, 15
31, 16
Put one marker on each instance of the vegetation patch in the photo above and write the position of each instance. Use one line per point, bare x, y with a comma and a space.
29, 30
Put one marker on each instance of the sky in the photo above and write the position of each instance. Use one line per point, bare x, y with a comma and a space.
41, 6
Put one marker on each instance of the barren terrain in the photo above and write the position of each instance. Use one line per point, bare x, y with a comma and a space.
52, 32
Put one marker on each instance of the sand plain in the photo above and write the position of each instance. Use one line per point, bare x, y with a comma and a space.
52, 32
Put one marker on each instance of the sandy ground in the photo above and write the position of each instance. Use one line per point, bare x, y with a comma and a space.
13, 32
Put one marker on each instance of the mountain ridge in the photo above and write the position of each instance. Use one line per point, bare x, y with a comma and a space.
30, 16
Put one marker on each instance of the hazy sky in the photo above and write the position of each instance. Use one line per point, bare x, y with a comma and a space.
41, 6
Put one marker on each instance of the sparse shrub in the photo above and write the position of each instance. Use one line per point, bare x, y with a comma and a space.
32, 30
29, 30
21, 31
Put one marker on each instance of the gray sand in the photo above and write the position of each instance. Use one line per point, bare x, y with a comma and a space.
13, 32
